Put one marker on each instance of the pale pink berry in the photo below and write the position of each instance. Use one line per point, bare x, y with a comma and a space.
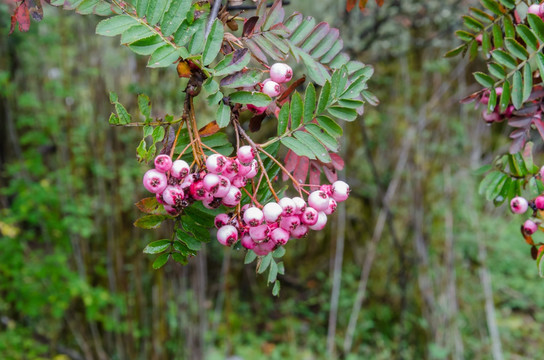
247, 242
300, 232
321, 222
163, 163
160, 199
221, 220
309, 216
239, 181
340, 191
223, 187
272, 212
519, 205
280, 236
211, 182
318, 200
268, 244
227, 235
173, 195
231, 169
171, 210
541, 172
180, 169
490, 117
288, 205
326, 188
233, 197
534, 9
539, 202
271, 88
197, 190
289, 223
244, 208
280, 73
245, 154
529, 227
300, 205
253, 172
155, 181
258, 110
259, 233
253, 216
332, 207
188, 181
216, 163
243, 170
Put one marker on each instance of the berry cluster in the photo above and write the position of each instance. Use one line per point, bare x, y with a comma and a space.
520, 205
176, 187
279, 73
263, 230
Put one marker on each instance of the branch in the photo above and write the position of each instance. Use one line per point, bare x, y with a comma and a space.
213, 16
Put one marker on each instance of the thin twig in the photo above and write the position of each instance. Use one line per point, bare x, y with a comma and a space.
295, 181
185, 149
213, 16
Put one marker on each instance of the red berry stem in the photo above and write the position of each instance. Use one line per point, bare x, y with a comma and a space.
252, 198
183, 151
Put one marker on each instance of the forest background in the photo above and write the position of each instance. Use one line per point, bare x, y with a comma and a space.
416, 266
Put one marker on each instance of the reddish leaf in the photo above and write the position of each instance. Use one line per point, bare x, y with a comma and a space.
379, 2
315, 176
150, 205
362, 4
330, 173
539, 126
350, 5
301, 171
184, 70
337, 161
256, 121
249, 26
534, 252
209, 129
290, 89
291, 161
21, 16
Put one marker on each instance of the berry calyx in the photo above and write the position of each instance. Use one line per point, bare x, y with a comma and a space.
216, 163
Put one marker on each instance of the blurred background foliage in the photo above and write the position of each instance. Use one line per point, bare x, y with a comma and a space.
435, 272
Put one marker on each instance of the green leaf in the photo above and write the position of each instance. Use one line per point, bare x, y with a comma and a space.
509, 29
350, 103
246, 97
505, 96
144, 104
492, 101
324, 97
472, 23
324, 137
527, 81
279, 252
146, 46
486, 44
213, 42
114, 120
509, 4
497, 36
516, 49
189, 240
179, 258
297, 109
496, 70
342, 113
158, 134
527, 35
243, 78
537, 25
309, 103
494, 188
210, 85
141, 7
157, 247
233, 62
283, 119
517, 90
155, 10
302, 31
464, 35
298, 147
136, 33
330, 126
540, 63
487, 180
354, 89
250, 257
196, 45
115, 25
190, 225
454, 52
124, 116
482, 170
314, 145
160, 261
164, 56
177, 12
316, 71
276, 288
273, 273
484, 79
222, 115
265, 262
504, 58
150, 221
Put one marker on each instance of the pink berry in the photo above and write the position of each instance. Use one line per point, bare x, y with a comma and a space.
253, 216
539, 202
171, 210
300, 205
332, 207
300, 232
280, 236
290, 223
340, 191
223, 187
519, 205
541, 172
243, 170
254, 169
321, 222
271, 88
318, 200
529, 227
188, 181
288, 205
247, 242
534, 9
211, 182
259, 233
327, 189
179, 169
490, 117
221, 220
155, 181
256, 109
231, 169
216, 163
239, 181
160, 199
272, 212
245, 154
197, 190
173, 195
163, 163
227, 235
280, 73
309, 216
233, 197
